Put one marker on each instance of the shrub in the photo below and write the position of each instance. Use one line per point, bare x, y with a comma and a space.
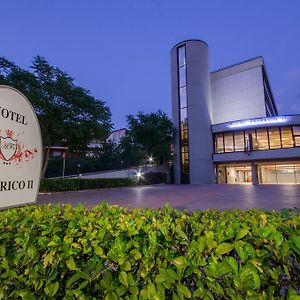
73, 184
113, 253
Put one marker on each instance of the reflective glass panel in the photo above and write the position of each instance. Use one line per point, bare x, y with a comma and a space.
287, 137
274, 138
296, 131
239, 142
181, 56
250, 139
228, 140
285, 173
184, 137
219, 145
182, 77
183, 100
183, 115
297, 173
262, 139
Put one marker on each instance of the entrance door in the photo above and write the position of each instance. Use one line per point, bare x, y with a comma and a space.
234, 174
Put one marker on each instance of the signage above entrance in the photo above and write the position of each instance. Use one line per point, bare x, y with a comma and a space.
260, 121
20, 149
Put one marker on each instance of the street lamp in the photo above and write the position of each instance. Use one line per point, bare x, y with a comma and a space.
78, 175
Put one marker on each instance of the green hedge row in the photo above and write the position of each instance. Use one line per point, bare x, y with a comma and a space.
61, 252
73, 184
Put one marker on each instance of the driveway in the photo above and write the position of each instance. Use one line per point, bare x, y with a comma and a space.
190, 197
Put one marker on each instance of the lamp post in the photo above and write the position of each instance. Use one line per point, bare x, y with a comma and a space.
64, 165
78, 175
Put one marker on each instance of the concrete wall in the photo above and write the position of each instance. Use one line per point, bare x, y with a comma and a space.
238, 96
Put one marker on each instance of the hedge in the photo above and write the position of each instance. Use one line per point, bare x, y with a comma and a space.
73, 184
61, 252
87, 165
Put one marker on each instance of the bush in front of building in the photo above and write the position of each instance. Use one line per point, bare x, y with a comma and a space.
73, 184
62, 252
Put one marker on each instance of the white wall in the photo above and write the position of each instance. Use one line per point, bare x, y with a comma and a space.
238, 96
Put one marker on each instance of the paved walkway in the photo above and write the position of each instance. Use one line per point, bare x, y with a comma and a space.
188, 197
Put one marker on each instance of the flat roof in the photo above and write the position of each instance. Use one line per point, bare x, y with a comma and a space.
236, 68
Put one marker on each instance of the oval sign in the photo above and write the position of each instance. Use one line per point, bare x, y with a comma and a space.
20, 149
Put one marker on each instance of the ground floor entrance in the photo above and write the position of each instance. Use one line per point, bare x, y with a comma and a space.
259, 172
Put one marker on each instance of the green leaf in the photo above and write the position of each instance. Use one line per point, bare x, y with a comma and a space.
224, 248
51, 289
296, 240
99, 251
71, 264
241, 234
180, 261
183, 290
123, 278
48, 259
111, 296
26, 296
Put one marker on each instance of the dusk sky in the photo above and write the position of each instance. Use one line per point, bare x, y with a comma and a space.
120, 50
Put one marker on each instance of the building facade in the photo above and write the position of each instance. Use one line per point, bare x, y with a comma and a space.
228, 127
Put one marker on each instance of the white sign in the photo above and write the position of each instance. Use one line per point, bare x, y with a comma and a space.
20, 149
254, 122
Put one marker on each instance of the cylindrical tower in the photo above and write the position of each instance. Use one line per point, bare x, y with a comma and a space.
191, 109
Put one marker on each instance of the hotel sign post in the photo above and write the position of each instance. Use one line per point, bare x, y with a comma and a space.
20, 149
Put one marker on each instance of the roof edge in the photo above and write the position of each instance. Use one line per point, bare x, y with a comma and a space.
237, 64
189, 40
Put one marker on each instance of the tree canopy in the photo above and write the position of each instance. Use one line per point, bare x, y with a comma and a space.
67, 112
152, 134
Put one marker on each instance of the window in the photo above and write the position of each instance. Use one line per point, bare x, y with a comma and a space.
228, 140
287, 137
262, 139
274, 138
184, 137
183, 116
239, 141
219, 144
183, 99
181, 56
182, 77
296, 131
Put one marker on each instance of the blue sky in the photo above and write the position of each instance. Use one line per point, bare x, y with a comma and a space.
119, 50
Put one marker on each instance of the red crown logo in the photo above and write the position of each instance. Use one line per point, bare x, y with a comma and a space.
9, 133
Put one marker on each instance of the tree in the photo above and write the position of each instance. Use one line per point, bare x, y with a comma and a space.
152, 134
67, 113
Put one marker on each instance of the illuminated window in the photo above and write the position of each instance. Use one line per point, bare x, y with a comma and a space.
287, 137
219, 144
296, 131
262, 139
228, 140
183, 116
239, 141
274, 138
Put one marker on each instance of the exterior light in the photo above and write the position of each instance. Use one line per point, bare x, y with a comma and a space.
139, 174
150, 159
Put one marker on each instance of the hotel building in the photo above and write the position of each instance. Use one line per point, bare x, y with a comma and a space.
228, 127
